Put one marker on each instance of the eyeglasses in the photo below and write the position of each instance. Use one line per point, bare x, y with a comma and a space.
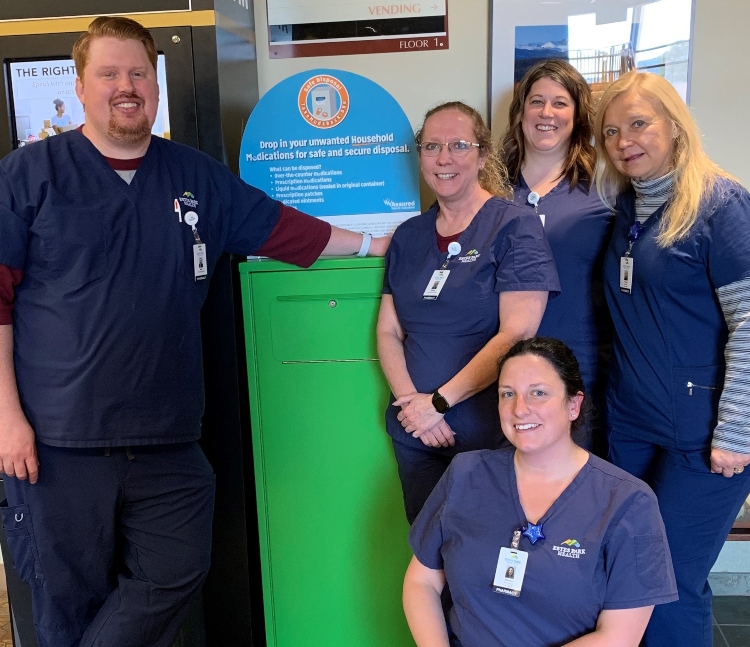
458, 148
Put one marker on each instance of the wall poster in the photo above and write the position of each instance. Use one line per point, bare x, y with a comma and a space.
300, 28
43, 100
602, 41
335, 145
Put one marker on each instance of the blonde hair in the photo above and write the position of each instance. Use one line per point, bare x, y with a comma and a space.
695, 175
115, 27
493, 178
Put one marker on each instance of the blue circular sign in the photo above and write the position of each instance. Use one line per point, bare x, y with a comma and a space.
334, 144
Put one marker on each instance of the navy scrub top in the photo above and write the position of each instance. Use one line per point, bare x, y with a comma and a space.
605, 548
107, 318
670, 330
502, 250
578, 225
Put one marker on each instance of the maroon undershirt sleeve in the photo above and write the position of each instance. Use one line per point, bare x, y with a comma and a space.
297, 238
10, 277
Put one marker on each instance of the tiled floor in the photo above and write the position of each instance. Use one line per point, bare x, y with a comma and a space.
731, 621
5, 637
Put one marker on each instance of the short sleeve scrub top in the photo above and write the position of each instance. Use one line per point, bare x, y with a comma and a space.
503, 249
604, 548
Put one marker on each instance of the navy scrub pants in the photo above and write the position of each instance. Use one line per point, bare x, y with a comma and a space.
113, 546
419, 471
698, 508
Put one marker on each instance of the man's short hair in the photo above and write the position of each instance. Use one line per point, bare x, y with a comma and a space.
115, 27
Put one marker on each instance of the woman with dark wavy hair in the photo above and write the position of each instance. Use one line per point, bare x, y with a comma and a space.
542, 543
550, 159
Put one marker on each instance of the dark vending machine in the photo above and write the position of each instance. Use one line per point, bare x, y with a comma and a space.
208, 86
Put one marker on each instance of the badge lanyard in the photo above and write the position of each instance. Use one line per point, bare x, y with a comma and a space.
533, 200
200, 262
626, 262
511, 564
439, 277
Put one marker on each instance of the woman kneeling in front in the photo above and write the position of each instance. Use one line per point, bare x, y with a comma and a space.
583, 538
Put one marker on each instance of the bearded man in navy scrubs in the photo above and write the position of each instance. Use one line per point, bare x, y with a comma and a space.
110, 498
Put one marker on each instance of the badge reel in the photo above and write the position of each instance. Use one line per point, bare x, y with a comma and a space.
200, 262
533, 200
439, 277
626, 261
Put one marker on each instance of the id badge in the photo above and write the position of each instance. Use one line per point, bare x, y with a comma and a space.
200, 263
510, 571
543, 218
626, 274
437, 281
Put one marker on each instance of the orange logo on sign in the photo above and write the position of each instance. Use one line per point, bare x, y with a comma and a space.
323, 101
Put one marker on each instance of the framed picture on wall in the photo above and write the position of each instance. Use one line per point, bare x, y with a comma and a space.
602, 41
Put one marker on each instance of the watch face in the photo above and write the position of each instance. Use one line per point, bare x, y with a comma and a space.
440, 403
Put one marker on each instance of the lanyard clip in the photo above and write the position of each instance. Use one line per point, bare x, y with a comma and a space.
634, 233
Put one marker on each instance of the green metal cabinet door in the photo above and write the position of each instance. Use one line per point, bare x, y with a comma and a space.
333, 532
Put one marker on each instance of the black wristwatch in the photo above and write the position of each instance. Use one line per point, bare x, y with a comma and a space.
440, 403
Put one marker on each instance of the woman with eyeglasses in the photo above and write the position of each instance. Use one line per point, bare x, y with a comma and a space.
550, 159
463, 282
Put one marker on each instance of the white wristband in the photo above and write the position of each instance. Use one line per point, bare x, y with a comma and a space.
365, 247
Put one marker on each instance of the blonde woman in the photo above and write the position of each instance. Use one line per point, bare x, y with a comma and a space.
677, 276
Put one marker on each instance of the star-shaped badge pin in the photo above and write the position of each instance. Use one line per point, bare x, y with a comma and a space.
534, 532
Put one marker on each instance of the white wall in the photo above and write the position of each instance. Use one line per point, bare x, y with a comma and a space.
720, 91
417, 80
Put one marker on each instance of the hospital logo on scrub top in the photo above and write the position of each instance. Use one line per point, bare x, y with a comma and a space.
570, 548
188, 199
471, 256
323, 101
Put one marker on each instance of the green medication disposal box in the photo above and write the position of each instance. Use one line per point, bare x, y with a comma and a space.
333, 534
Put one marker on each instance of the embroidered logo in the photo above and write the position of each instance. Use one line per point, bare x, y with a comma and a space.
570, 548
470, 257
188, 199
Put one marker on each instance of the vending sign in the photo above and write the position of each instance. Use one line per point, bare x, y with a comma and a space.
337, 146
299, 28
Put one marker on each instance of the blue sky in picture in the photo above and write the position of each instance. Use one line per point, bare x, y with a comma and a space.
538, 42
529, 35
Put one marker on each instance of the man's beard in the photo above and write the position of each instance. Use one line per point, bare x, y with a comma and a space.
130, 133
